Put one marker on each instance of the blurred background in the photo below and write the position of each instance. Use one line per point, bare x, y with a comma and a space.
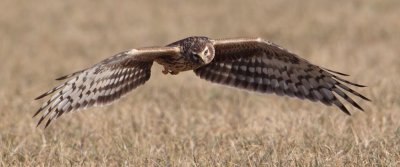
182, 120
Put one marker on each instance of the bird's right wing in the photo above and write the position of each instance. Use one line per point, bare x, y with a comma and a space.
102, 83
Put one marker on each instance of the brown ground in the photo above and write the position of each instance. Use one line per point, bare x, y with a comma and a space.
196, 123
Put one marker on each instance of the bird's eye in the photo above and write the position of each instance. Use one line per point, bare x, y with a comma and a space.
206, 52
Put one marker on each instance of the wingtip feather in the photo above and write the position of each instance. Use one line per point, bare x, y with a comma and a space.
345, 110
340, 73
41, 96
62, 78
68, 76
40, 121
37, 112
358, 107
47, 123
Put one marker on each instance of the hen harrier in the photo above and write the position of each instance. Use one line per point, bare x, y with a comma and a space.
252, 64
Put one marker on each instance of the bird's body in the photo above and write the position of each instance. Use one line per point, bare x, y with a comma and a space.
247, 63
186, 59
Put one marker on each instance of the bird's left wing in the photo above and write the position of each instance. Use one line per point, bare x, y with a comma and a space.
102, 83
262, 66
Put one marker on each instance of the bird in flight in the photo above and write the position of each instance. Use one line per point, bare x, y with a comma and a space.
248, 63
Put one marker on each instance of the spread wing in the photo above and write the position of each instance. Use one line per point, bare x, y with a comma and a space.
102, 83
262, 66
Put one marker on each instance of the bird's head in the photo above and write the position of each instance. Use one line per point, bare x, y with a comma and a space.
202, 54
199, 50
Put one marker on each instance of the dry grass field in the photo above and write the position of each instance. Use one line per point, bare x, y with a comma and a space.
183, 120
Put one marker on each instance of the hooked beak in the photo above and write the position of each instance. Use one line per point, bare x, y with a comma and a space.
204, 58
200, 59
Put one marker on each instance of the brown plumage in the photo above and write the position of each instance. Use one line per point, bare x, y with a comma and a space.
252, 64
